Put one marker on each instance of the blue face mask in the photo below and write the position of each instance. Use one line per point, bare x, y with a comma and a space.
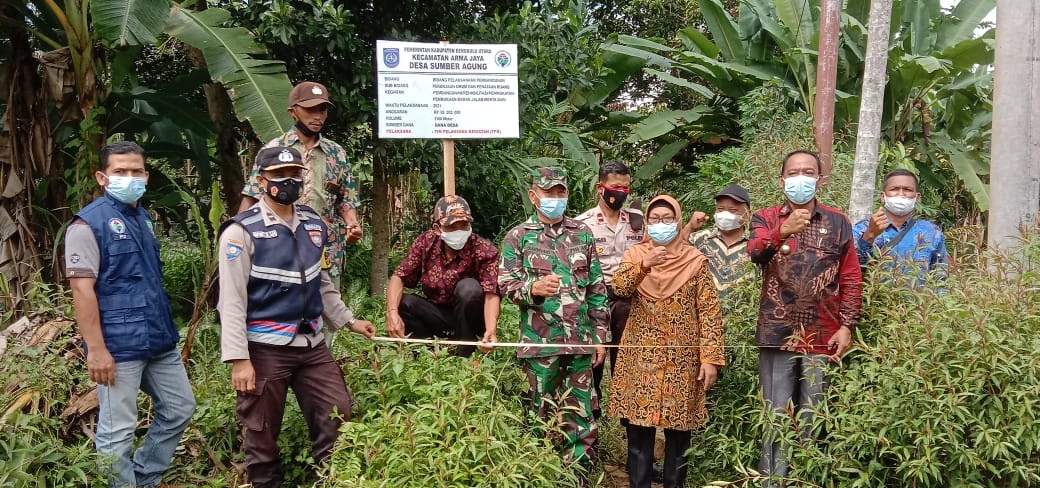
126, 189
552, 207
800, 189
663, 233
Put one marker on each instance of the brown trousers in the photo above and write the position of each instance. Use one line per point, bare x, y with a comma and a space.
320, 389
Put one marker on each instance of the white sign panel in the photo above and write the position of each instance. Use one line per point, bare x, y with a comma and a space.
447, 91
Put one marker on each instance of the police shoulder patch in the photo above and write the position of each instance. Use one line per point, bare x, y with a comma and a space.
316, 237
233, 250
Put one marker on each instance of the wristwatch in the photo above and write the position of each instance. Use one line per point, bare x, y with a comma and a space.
350, 322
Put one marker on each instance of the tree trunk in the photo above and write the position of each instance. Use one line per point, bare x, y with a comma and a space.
380, 223
221, 113
1015, 155
218, 104
826, 78
871, 106
25, 156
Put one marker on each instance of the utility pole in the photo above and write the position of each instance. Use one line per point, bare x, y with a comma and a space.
1015, 154
826, 81
871, 106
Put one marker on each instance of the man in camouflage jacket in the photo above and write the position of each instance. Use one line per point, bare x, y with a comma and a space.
549, 268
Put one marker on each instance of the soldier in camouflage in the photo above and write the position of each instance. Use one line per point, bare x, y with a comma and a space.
549, 267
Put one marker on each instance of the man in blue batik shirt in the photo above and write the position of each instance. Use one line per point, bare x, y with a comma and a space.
915, 246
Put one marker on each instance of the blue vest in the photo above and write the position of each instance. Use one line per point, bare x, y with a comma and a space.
278, 299
136, 319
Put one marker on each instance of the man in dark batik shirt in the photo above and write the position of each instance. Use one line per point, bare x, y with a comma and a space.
810, 300
458, 273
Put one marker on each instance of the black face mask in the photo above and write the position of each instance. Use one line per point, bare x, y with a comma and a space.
614, 199
285, 190
303, 129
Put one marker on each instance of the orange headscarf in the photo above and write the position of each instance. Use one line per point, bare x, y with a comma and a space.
668, 277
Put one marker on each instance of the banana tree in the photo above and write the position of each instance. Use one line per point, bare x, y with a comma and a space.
95, 93
939, 79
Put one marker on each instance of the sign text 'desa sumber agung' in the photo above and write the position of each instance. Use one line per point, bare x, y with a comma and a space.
447, 91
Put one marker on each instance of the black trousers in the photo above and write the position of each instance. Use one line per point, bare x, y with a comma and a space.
619, 310
463, 319
641, 456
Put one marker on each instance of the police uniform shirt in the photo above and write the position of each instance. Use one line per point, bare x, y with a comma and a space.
611, 242
235, 261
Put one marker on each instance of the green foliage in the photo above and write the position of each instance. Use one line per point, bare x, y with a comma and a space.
943, 391
129, 23
424, 417
182, 274
258, 87
432, 419
34, 454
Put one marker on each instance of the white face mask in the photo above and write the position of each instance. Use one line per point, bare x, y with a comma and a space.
456, 239
727, 221
900, 206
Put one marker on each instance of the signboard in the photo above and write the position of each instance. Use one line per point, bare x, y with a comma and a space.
447, 91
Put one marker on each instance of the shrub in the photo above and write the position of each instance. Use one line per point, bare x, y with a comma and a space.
35, 454
424, 417
945, 390
939, 390
182, 271
431, 419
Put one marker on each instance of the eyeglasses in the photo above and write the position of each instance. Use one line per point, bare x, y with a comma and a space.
661, 220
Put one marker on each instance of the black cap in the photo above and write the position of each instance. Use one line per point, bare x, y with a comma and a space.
735, 192
279, 157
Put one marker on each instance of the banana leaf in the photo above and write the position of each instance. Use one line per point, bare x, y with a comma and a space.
259, 88
129, 22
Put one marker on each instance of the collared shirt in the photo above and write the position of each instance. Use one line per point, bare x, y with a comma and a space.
921, 253
235, 262
811, 290
426, 262
329, 175
729, 265
611, 241
577, 314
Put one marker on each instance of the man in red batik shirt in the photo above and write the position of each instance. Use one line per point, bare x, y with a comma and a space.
810, 301
458, 273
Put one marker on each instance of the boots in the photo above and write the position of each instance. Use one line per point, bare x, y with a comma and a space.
676, 443
640, 455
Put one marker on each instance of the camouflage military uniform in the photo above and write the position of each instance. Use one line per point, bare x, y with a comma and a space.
576, 315
328, 188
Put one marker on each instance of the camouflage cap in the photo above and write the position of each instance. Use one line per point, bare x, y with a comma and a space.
547, 177
450, 209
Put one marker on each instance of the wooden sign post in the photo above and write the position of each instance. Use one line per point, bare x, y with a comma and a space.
448, 147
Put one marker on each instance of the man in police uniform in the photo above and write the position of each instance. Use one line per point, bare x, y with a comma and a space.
615, 229
276, 302
114, 270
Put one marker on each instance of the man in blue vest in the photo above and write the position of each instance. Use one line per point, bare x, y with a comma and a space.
112, 262
276, 303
